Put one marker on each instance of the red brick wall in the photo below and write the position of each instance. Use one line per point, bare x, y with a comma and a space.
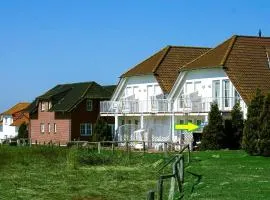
62, 134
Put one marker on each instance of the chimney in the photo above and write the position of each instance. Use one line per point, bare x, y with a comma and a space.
260, 33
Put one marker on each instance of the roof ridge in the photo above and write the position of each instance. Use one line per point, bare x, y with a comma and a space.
252, 36
143, 61
192, 47
81, 97
227, 53
161, 59
207, 52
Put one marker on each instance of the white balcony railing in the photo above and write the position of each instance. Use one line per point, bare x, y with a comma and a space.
166, 106
135, 106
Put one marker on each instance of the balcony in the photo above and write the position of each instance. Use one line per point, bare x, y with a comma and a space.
200, 104
135, 106
183, 105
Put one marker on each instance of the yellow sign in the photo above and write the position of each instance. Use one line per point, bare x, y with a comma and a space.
189, 126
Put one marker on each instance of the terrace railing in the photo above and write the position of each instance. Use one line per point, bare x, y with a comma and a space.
185, 104
135, 106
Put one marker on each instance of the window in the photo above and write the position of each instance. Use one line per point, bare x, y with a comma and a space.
189, 87
129, 121
197, 86
49, 128
50, 105
86, 129
198, 122
226, 93
42, 127
54, 127
190, 121
123, 122
43, 106
216, 91
136, 122
5, 120
181, 121
1, 128
236, 96
89, 105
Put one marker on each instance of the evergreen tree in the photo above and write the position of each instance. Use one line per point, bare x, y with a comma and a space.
23, 132
213, 133
237, 127
263, 144
252, 125
102, 131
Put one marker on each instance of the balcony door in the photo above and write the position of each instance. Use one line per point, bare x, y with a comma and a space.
150, 99
216, 91
226, 94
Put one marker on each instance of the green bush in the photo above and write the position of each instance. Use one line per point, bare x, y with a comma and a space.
252, 126
234, 128
263, 144
23, 132
213, 136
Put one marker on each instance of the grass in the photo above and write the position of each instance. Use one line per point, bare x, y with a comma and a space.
227, 175
61, 173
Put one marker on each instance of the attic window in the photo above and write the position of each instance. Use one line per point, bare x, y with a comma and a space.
267, 55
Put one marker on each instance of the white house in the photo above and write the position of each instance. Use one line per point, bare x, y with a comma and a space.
150, 97
140, 99
11, 119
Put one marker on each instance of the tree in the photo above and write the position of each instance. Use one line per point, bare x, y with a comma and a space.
252, 124
213, 133
102, 131
23, 132
237, 127
263, 144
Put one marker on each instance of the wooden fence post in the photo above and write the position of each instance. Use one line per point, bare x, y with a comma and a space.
99, 147
112, 147
144, 147
126, 146
151, 195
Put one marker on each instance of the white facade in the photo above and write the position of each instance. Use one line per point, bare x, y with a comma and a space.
139, 100
7, 131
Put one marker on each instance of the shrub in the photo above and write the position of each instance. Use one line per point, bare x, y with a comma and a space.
102, 131
237, 125
23, 132
252, 125
213, 134
263, 144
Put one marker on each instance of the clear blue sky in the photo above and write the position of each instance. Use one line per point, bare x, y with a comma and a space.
44, 43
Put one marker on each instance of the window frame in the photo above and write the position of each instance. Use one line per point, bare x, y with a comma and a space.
43, 106
86, 129
89, 105
54, 128
42, 128
49, 128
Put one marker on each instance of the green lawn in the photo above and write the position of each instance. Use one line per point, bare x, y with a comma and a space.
46, 173
227, 175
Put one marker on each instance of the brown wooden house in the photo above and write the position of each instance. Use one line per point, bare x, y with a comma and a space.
67, 112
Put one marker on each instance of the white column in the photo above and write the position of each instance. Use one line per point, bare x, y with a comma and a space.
172, 127
116, 124
142, 125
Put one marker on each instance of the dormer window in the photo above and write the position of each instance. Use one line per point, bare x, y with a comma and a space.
50, 105
45, 106
89, 105
267, 55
